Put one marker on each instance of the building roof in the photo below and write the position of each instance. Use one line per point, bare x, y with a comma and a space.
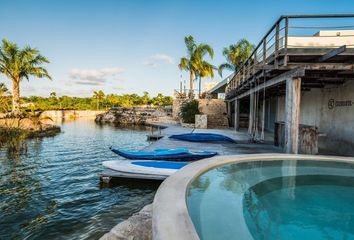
220, 86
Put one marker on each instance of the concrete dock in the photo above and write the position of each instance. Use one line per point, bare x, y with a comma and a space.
243, 146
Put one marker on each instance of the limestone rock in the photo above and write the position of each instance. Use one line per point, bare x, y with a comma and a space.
134, 115
137, 227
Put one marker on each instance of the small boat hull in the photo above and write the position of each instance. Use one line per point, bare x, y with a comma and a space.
165, 154
203, 137
160, 168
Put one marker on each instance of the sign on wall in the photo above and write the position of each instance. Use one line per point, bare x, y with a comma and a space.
332, 103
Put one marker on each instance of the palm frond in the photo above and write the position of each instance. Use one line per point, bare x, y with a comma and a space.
224, 66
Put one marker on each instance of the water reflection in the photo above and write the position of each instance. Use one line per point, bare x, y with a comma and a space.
52, 190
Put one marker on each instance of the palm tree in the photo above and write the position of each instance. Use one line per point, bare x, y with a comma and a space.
17, 64
194, 62
3, 98
236, 55
99, 96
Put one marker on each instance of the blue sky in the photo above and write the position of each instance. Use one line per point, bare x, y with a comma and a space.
134, 46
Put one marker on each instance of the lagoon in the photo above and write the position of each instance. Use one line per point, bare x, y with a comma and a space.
52, 190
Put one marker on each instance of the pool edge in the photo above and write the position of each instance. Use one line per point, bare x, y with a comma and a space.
170, 218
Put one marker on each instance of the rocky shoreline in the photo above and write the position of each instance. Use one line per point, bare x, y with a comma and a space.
135, 115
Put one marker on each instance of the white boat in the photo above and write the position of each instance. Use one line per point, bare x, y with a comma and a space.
147, 167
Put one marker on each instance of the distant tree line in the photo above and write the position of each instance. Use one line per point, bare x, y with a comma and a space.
98, 101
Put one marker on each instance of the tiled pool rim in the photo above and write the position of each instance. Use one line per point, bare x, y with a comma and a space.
171, 220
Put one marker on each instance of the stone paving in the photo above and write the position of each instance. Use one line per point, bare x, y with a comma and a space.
139, 225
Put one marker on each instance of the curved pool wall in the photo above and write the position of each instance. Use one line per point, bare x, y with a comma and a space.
171, 218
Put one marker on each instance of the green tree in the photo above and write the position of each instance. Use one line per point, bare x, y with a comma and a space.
53, 95
194, 62
16, 64
236, 55
99, 96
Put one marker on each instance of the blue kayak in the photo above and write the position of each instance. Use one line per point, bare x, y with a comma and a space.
156, 164
165, 154
203, 137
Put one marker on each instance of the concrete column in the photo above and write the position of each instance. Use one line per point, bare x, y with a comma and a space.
292, 114
237, 114
251, 115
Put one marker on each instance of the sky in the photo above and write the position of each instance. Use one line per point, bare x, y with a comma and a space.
133, 46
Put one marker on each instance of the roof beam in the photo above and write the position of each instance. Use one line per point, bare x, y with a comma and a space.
332, 53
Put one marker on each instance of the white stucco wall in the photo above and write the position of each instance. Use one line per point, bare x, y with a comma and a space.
336, 123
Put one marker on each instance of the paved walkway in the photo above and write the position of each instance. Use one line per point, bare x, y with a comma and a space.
242, 147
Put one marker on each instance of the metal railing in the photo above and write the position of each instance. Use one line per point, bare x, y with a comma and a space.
275, 44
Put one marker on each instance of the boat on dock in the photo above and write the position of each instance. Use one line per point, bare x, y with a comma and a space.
144, 169
165, 154
203, 137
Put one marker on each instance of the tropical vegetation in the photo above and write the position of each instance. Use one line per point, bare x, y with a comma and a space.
16, 64
4, 104
236, 55
88, 103
188, 111
194, 62
99, 96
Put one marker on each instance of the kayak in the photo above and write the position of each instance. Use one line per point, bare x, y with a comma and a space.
165, 154
203, 137
160, 168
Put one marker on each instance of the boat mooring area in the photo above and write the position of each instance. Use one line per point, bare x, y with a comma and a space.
242, 146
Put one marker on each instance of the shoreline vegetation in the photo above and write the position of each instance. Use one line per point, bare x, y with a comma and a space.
20, 117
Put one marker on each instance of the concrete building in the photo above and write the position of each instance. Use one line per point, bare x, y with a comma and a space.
299, 84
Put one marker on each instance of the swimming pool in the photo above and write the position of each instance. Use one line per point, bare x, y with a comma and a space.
263, 197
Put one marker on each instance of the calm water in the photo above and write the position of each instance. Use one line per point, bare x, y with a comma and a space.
53, 190
274, 200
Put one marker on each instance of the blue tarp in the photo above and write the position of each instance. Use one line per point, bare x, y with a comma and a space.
203, 137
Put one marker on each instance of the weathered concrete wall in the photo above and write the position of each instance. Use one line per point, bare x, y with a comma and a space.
332, 111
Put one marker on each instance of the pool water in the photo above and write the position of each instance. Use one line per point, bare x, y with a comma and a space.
274, 200
53, 190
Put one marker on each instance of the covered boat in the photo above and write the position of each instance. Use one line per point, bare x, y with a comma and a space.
165, 154
145, 167
203, 137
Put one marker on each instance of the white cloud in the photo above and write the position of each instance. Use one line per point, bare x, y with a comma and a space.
94, 76
157, 59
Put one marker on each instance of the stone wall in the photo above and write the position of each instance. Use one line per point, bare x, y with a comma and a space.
216, 111
176, 108
68, 114
134, 115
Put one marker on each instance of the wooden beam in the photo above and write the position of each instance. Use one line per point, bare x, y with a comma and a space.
332, 53
275, 81
292, 114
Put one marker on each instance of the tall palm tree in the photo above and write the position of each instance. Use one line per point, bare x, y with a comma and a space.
236, 55
194, 62
16, 64
3, 99
99, 96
